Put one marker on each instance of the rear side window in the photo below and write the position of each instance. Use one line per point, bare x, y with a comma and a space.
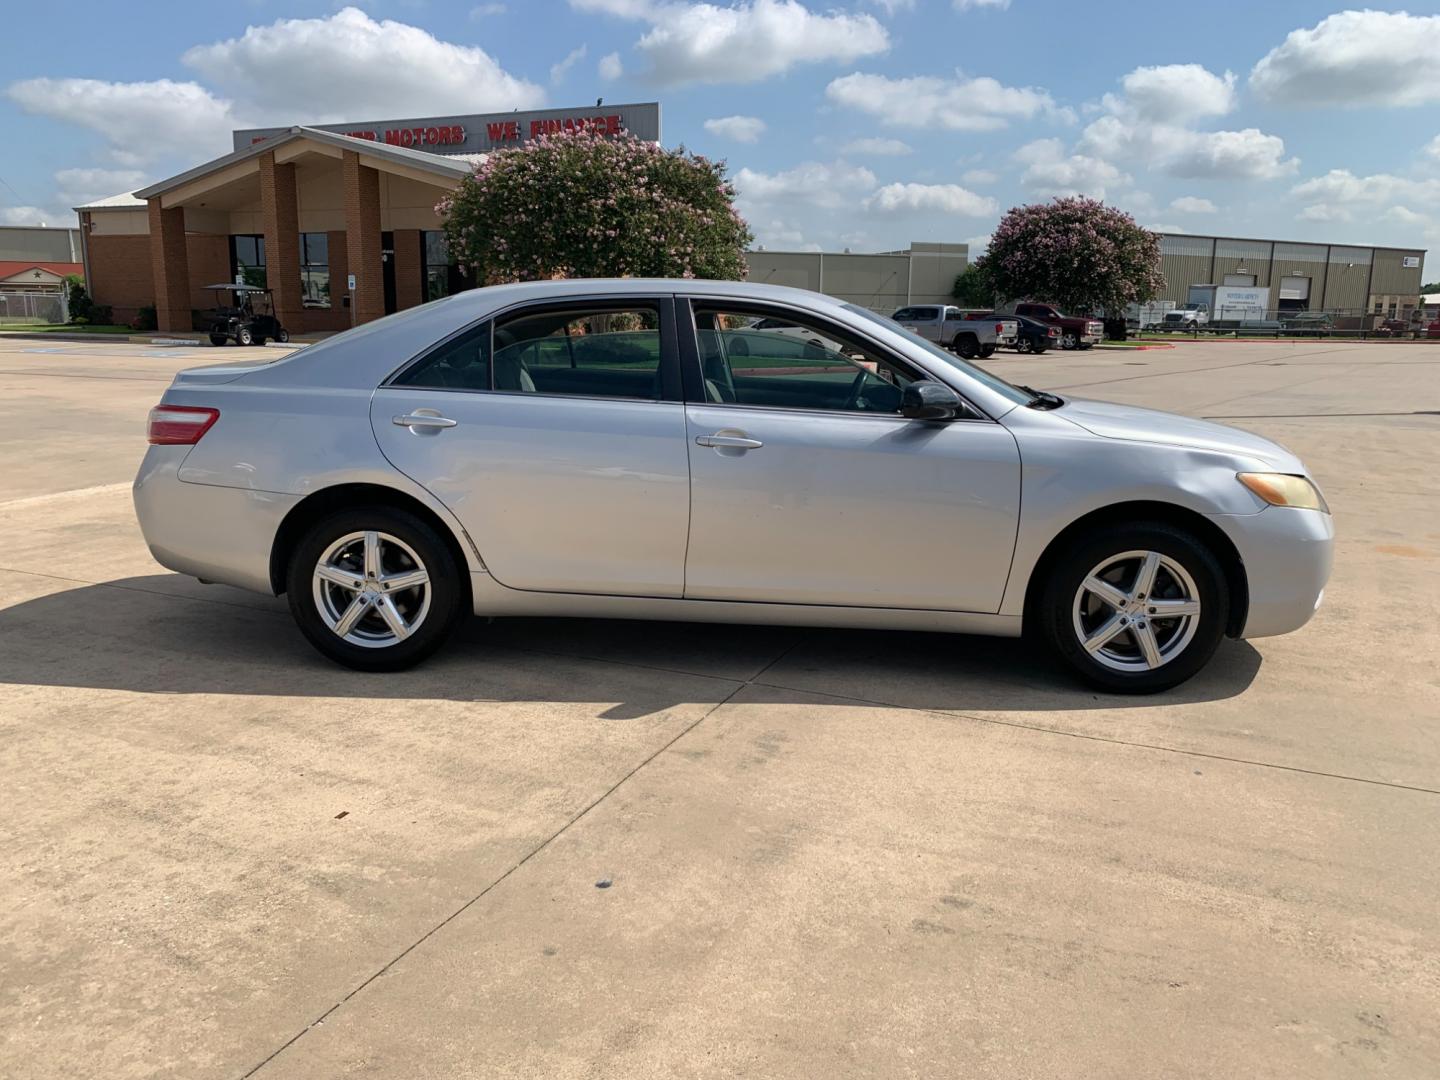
589, 353
916, 314
582, 352
462, 363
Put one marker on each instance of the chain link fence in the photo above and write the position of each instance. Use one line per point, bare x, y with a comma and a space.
19, 307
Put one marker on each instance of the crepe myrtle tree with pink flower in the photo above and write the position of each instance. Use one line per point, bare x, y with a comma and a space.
1077, 253
577, 204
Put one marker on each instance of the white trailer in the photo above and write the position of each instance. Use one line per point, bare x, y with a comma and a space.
1227, 305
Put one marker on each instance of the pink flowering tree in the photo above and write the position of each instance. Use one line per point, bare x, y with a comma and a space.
578, 204
1076, 253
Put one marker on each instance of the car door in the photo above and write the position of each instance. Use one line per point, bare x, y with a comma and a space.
556, 435
808, 486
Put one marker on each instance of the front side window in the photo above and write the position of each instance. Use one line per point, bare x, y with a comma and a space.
247, 260
315, 270
916, 314
779, 363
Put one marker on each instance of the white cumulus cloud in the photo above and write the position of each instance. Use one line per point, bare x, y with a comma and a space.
979, 176
816, 183
969, 5
611, 67
694, 42
349, 66
925, 101
76, 187
145, 120
30, 215
1191, 204
745, 129
1050, 171
874, 147
560, 70
1354, 59
935, 198
1150, 124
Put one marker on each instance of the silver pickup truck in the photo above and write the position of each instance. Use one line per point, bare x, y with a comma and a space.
947, 325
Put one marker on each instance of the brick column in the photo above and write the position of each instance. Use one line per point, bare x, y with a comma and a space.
409, 291
362, 237
169, 267
281, 217
338, 317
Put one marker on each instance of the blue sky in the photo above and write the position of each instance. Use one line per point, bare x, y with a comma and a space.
867, 124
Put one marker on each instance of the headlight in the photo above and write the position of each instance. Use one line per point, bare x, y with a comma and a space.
1283, 489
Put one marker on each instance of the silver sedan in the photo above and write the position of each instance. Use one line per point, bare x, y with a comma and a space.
677, 450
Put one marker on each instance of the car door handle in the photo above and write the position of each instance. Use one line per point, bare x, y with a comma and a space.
734, 442
423, 420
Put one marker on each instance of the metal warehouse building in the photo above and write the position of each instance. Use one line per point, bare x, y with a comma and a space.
1349, 282
884, 281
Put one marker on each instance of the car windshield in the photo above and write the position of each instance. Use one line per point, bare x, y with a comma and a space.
975, 371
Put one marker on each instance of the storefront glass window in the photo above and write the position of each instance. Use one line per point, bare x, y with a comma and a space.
442, 278
315, 269
247, 260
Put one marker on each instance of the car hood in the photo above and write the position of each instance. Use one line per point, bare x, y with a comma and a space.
1112, 421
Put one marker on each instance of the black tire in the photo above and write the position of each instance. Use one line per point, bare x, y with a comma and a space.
244, 337
987, 351
1086, 345
1024, 345
282, 335
967, 346
446, 592
1056, 609
218, 339
1070, 340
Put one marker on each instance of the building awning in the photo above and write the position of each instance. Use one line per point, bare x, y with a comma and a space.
294, 143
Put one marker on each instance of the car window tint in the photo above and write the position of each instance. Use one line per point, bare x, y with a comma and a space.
916, 314
781, 364
462, 363
577, 351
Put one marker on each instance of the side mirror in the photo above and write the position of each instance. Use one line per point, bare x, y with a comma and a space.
927, 400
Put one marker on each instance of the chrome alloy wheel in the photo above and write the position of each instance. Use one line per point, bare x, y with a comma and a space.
1136, 611
371, 589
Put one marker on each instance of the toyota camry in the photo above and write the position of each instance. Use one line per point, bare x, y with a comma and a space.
718, 451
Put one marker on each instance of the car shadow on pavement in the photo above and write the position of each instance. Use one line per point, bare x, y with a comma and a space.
165, 634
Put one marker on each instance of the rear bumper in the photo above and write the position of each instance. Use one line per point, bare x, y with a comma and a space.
1287, 555
221, 534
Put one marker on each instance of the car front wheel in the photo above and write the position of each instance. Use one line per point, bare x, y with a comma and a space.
1135, 608
1070, 341
375, 589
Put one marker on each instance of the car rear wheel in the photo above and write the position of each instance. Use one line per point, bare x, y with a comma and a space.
282, 335
967, 346
1024, 345
218, 339
1136, 608
244, 337
374, 589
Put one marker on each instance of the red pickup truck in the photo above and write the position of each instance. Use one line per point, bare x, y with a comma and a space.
1076, 332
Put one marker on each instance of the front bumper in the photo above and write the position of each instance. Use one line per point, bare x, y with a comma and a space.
1287, 555
222, 534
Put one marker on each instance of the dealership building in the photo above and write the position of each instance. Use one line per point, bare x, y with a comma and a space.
337, 220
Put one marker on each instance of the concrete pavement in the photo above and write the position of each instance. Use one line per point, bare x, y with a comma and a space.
825, 853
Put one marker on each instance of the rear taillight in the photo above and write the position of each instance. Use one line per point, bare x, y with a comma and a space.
180, 425
999, 328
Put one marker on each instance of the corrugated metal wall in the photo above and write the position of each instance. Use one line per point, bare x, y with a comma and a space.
1348, 280
1391, 274
1185, 261
1237, 256
880, 282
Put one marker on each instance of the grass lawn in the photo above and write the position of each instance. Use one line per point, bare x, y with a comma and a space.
61, 328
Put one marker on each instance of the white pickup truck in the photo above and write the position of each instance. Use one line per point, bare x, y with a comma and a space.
947, 325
